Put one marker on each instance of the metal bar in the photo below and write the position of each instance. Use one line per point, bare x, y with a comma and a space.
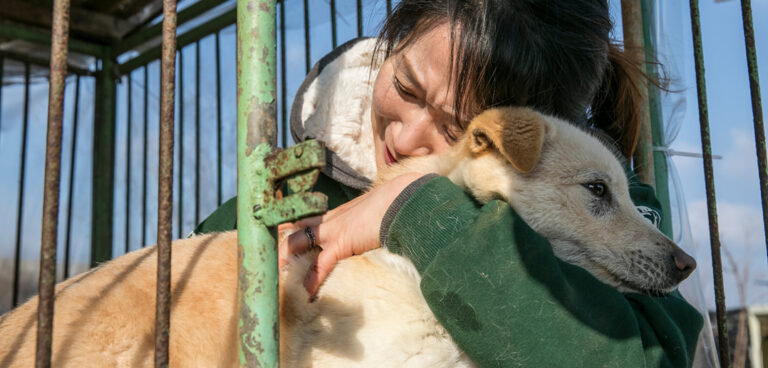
71, 178
283, 84
47, 280
20, 200
307, 57
129, 118
359, 18
706, 148
333, 23
659, 158
149, 33
144, 162
218, 121
389, 7
165, 186
43, 37
256, 133
632, 21
211, 26
102, 202
179, 221
197, 132
757, 109
2, 76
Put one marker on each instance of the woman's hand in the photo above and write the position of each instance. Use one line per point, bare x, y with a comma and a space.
350, 229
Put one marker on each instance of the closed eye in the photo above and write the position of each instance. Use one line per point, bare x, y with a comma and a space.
402, 90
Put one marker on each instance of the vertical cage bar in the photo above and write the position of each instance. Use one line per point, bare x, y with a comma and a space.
165, 185
757, 109
197, 132
706, 147
218, 121
20, 200
102, 199
333, 23
144, 157
389, 7
179, 220
632, 21
659, 159
307, 57
129, 118
70, 202
283, 84
2, 76
47, 280
256, 133
359, 18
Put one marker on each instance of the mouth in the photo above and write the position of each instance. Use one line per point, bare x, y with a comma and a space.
388, 157
626, 283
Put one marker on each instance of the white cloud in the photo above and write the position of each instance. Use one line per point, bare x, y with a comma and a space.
741, 232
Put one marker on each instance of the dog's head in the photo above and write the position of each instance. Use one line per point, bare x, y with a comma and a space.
570, 188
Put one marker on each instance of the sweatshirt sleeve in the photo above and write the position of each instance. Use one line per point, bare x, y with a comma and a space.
498, 289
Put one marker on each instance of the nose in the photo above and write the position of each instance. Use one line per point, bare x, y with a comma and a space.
685, 263
418, 135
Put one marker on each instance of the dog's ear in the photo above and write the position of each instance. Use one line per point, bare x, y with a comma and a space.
517, 133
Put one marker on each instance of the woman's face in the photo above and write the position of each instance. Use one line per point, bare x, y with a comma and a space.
412, 107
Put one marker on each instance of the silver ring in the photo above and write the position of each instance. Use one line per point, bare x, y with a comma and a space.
311, 237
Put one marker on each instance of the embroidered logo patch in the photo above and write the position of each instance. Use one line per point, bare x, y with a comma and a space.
653, 216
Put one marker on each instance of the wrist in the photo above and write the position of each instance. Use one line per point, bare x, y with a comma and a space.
415, 181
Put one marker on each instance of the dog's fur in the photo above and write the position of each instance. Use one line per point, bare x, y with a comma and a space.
369, 312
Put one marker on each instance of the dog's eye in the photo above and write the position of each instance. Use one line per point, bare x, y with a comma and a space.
598, 189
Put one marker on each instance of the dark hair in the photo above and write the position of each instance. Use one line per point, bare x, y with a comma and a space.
554, 56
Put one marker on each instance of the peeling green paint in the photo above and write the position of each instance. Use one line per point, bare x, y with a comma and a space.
261, 170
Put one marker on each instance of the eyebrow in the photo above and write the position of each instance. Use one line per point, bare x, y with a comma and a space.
408, 72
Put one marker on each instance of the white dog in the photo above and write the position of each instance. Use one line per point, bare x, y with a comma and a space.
370, 311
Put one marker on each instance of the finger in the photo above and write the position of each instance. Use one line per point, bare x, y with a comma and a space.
319, 270
309, 221
298, 242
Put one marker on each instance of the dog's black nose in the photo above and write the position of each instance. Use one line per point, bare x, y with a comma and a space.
683, 261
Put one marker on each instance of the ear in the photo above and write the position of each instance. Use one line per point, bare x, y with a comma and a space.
517, 133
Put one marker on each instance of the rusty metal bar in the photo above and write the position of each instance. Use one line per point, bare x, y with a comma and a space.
757, 109
144, 163
307, 57
165, 186
333, 23
128, 165
47, 280
71, 177
256, 135
197, 132
359, 18
179, 221
283, 84
706, 148
218, 122
20, 201
632, 22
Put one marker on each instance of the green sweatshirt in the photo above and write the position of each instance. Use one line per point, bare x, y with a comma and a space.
507, 301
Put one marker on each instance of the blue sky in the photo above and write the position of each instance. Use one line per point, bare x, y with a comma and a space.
729, 113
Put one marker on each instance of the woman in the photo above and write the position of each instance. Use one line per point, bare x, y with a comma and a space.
446, 60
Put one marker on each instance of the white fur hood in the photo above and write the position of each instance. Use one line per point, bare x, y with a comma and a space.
333, 105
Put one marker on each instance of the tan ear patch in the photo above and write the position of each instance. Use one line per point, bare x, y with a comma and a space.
517, 133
